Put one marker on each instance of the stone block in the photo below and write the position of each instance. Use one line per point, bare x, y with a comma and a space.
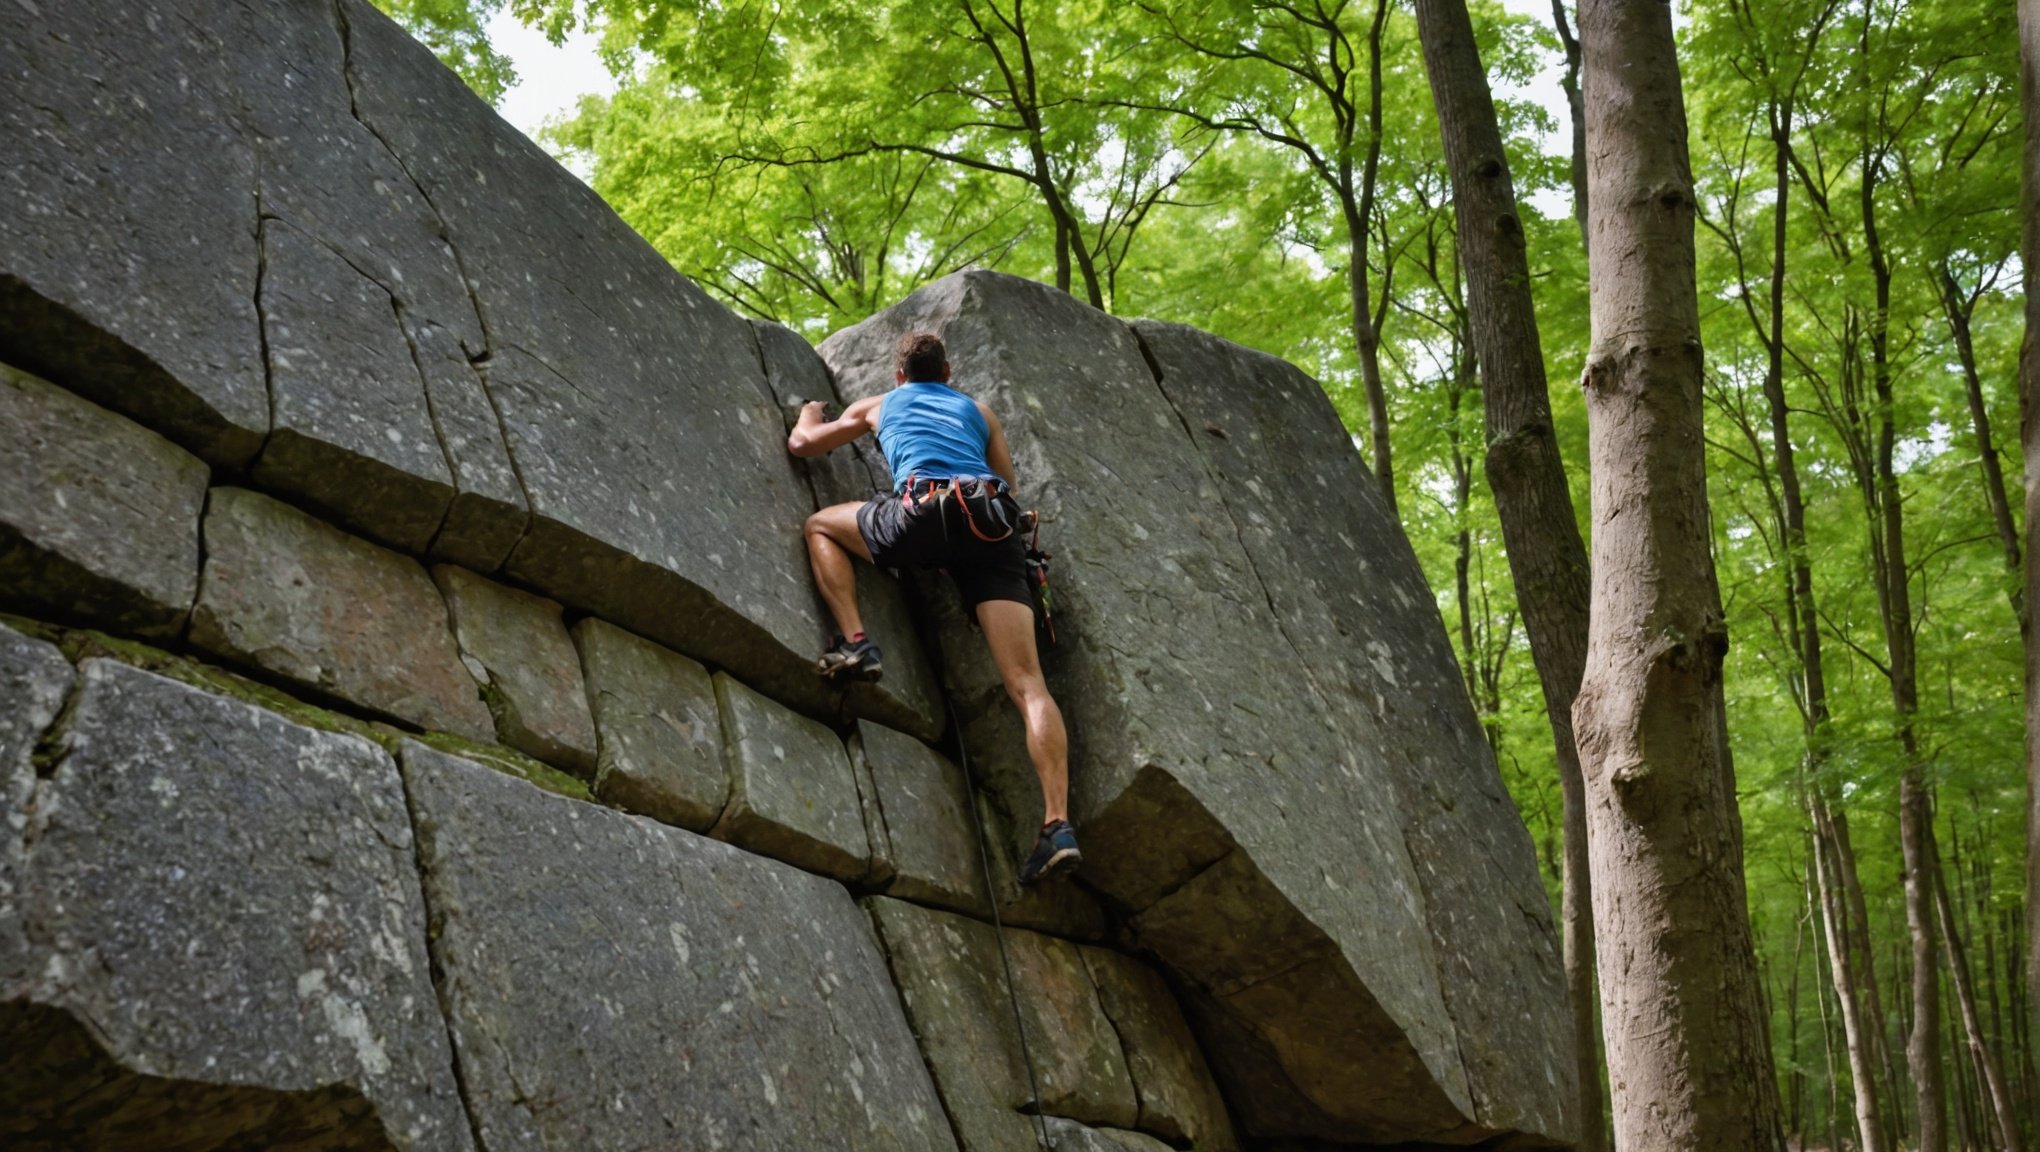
352, 433
518, 648
230, 938
615, 983
1179, 1101
1206, 727
925, 803
302, 601
951, 978
793, 792
98, 515
658, 726
128, 259
34, 681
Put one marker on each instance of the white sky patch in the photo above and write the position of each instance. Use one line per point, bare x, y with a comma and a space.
550, 80
1544, 90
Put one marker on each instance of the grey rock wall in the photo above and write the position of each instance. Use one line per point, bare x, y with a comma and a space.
415, 478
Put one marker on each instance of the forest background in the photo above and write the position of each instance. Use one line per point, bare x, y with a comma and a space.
1273, 171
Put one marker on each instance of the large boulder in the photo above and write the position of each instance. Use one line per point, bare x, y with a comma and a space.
1243, 626
615, 983
228, 943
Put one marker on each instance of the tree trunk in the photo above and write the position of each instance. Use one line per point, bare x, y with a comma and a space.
1525, 474
1367, 344
1689, 1056
1576, 109
1859, 937
1915, 798
2029, 429
1956, 307
1855, 1029
1996, 1091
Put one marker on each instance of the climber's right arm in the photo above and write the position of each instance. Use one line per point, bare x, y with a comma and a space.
813, 435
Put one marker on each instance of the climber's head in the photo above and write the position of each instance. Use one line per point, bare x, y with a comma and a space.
922, 357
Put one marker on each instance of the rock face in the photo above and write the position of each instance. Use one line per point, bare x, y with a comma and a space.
34, 679
518, 647
292, 597
1241, 785
736, 1002
951, 977
923, 803
660, 731
98, 515
221, 900
793, 791
305, 317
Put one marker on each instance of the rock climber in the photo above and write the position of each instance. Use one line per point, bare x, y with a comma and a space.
952, 507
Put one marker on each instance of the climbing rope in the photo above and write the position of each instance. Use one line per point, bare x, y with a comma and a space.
999, 928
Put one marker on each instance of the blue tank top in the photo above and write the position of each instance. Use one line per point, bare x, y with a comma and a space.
931, 431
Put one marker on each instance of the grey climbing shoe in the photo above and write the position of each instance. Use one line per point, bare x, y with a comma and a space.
851, 660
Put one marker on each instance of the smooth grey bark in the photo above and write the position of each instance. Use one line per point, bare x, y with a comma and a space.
1689, 1060
1856, 1029
1995, 1092
1525, 473
2029, 435
1894, 596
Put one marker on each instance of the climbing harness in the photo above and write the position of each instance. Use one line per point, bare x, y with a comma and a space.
984, 500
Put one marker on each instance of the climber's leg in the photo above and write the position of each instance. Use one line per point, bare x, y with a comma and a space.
832, 539
1009, 631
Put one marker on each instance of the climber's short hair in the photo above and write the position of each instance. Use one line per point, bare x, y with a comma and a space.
921, 356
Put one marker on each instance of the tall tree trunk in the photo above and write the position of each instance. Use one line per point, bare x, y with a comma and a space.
1859, 938
2029, 434
1855, 1028
1956, 306
1834, 862
1576, 110
1367, 343
1525, 474
1359, 212
1915, 798
1996, 1091
1689, 1056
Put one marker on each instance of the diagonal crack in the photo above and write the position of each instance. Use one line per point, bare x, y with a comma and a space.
475, 359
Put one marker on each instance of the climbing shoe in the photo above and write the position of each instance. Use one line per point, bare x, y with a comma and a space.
851, 660
1055, 852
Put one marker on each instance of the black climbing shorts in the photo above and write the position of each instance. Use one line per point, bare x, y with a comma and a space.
936, 531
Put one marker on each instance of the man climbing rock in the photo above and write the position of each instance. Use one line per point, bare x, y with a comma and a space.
952, 508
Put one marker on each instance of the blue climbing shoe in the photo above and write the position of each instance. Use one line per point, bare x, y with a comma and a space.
1055, 852
851, 660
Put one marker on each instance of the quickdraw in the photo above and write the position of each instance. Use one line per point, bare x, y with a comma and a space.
1037, 572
